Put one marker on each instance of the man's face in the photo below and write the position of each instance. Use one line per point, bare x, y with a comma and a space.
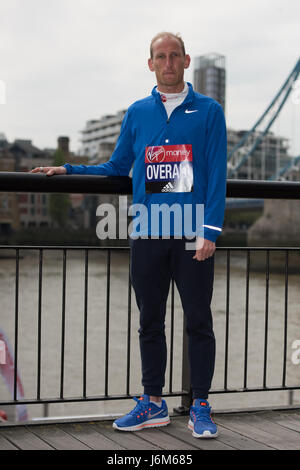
168, 62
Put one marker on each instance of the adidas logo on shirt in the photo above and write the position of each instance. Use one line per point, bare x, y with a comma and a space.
168, 188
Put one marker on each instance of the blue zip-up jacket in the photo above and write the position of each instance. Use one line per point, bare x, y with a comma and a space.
198, 122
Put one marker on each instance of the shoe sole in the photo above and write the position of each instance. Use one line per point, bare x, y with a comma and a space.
205, 435
155, 423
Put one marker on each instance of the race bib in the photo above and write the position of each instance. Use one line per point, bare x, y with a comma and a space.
169, 169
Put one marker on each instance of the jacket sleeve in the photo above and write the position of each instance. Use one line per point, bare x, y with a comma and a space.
120, 162
216, 159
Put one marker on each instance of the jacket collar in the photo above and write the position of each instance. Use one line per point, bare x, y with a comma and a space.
188, 99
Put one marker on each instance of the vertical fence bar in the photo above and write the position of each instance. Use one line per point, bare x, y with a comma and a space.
266, 318
16, 321
227, 318
38, 393
107, 321
63, 321
186, 400
286, 275
86, 269
128, 333
171, 338
246, 320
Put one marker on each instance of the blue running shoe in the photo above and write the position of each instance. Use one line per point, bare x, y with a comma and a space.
145, 415
200, 421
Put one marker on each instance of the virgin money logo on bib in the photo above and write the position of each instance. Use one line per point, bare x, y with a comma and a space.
155, 154
169, 168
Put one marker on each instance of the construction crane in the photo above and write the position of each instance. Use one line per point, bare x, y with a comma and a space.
291, 166
251, 139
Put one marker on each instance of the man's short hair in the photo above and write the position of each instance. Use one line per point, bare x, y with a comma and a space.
167, 34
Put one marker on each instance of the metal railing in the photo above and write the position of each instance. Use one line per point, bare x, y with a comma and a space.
97, 184
105, 379
20, 182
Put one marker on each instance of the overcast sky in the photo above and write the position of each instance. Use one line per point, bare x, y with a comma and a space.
67, 61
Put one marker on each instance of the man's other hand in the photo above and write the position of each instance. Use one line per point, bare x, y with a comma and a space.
204, 249
50, 170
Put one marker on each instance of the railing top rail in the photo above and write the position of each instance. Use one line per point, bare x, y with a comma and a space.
87, 184
125, 248
98, 184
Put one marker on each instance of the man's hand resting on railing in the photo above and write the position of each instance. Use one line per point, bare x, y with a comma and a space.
50, 170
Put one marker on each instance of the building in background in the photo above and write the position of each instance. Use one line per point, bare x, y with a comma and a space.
9, 209
99, 138
82, 205
22, 209
25, 210
100, 135
269, 157
210, 77
32, 207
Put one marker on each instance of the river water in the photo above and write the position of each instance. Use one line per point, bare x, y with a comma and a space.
96, 327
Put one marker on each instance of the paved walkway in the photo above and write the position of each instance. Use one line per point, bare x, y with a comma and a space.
260, 430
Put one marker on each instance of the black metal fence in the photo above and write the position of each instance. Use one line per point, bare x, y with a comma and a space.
86, 184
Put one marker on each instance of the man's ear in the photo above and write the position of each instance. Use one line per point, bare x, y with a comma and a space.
150, 65
187, 61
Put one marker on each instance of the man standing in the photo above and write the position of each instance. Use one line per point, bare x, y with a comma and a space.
176, 140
